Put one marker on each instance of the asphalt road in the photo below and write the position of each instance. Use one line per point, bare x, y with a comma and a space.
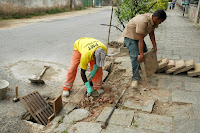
53, 40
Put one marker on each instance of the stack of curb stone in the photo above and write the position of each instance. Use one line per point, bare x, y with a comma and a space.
171, 67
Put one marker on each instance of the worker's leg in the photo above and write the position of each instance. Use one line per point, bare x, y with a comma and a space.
133, 48
97, 80
71, 73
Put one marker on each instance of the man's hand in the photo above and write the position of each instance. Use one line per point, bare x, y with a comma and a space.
140, 58
155, 48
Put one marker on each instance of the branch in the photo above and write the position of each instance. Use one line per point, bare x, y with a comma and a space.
113, 26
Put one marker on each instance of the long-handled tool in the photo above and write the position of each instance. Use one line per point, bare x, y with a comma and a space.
39, 80
106, 122
16, 99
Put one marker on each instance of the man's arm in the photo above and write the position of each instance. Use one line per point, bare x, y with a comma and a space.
83, 76
141, 48
153, 40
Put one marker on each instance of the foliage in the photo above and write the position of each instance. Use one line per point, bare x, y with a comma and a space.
127, 9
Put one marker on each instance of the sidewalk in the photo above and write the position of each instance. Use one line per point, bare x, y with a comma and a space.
176, 98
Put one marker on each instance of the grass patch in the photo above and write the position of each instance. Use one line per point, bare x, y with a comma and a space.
65, 131
52, 11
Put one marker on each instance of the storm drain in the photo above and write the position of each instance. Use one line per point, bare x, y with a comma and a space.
39, 109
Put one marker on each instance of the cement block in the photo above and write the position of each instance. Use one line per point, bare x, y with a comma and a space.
195, 72
85, 127
119, 129
189, 65
148, 106
163, 63
192, 86
76, 115
185, 97
119, 117
196, 108
187, 126
178, 65
133, 104
154, 122
80, 95
150, 64
170, 64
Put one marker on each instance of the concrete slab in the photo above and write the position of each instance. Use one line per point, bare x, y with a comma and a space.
163, 63
119, 129
122, 59
132, 104
76, 115
85, 127
80, 95
150, 64
154, 122
196, 108
187, 126
195, 72
148, 106
192, 86
168, 84
170, 64
189, 65
120, 117
185, 97
178, 65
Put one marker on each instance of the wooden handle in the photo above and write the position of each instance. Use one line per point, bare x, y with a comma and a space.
16, 92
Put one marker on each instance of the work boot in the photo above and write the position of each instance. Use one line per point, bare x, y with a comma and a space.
134, 84
100, 91
65, 93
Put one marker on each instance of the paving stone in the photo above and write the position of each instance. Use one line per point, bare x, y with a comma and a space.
85, 127
154, 122
132, 104
122, 59
160, 95
80, 95
196, 108
150, 64
148, 106
179, 112
118, 129
121, 117
195, 72
163, 63
169, 84
192, 86
187, 126
77, 115
185, 97
178, 65
189, 65
170, 64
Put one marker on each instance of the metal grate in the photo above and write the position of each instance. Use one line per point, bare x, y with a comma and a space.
37, 107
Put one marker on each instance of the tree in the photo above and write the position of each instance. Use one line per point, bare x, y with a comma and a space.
127, 9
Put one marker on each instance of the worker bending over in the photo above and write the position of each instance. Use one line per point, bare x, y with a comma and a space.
86, 50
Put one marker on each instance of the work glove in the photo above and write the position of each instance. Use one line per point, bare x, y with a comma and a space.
92, 74
89, 88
